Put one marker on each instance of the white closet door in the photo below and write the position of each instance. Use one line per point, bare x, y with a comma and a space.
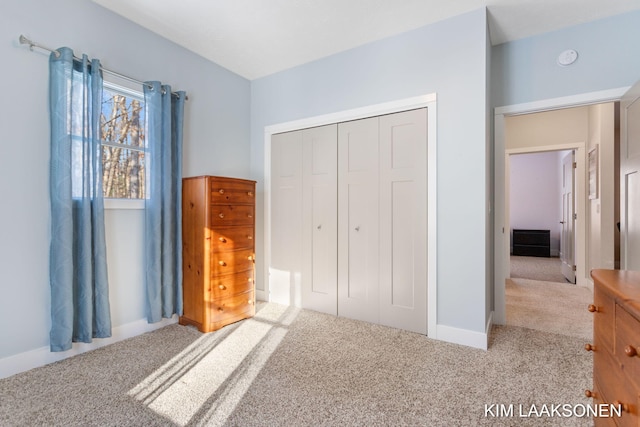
319, 219
358, 242
285, 282
403, 220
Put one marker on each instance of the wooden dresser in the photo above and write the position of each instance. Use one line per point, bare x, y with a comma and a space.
616, 344
218, 231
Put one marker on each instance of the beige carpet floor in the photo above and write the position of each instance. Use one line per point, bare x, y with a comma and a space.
537, 268
290, 367
559, 308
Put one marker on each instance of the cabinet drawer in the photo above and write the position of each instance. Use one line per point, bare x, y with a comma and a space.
231, 284
627, 342
231, 238
232, 192
234, 307
222, 215
615, 389
231, 262
603, 320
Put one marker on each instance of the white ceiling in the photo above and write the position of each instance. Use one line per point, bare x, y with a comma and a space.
255, 38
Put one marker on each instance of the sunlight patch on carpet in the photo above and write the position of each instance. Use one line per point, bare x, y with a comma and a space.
210, 377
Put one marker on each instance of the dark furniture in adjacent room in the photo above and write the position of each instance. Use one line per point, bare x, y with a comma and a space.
532, 243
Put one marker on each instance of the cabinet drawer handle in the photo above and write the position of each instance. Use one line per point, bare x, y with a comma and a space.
223, 240
589, 393
250, 193
222, 263
221, 215
220, 309
592, 308
590, 347
619, 404
221, 191
250, 258
222, 287
249, 237
630, 351
249, 216
250, 280
250, 302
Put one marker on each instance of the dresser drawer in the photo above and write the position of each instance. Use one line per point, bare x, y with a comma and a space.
231, 284
223, 215
231, 262
234, 307
232, 192
627, 342
614, 388
231, 238
603, 321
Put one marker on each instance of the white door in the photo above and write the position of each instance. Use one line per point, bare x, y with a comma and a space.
285, 282
320, 219
403, 220
630, 179
358, 239
567, 245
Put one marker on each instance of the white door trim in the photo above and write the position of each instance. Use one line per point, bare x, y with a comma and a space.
501, 243
430, 102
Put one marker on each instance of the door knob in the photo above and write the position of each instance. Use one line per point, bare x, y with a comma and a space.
561, 222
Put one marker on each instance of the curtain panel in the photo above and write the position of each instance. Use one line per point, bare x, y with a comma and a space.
163, 205
78, 259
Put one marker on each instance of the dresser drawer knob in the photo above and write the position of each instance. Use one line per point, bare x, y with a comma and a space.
222, 287
221, 191
250, 193
249, 216
220, 309
621, 405
223, 240
222, 263
250, 280
249, 237
221, 215
250, 302
630, 351
590, 347
589, 393
592, 308
250, 257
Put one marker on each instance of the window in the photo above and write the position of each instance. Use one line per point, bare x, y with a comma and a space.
122, 131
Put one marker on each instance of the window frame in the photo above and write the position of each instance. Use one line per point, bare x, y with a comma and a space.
127, 88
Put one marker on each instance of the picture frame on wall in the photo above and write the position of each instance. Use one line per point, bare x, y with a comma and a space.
593, 173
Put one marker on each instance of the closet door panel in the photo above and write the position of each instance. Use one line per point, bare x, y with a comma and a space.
320, 221
403, 220
358, 238
285, 267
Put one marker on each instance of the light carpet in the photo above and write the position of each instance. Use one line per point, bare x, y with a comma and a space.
537, 268
290, 367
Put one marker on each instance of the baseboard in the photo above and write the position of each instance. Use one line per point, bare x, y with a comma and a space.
27, 360
463, 336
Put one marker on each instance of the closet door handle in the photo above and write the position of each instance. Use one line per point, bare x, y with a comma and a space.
319, 226
357, 228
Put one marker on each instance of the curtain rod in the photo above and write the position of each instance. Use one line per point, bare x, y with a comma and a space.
32, 44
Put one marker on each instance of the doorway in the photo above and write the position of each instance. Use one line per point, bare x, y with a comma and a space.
541, 194
502, 226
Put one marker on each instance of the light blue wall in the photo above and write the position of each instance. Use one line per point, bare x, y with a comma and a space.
447, 58
609, 57
216, 142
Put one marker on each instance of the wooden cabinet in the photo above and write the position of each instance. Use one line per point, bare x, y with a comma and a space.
616, 344
218, 234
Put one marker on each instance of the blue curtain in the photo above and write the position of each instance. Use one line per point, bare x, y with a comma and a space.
163, 205
78, 259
